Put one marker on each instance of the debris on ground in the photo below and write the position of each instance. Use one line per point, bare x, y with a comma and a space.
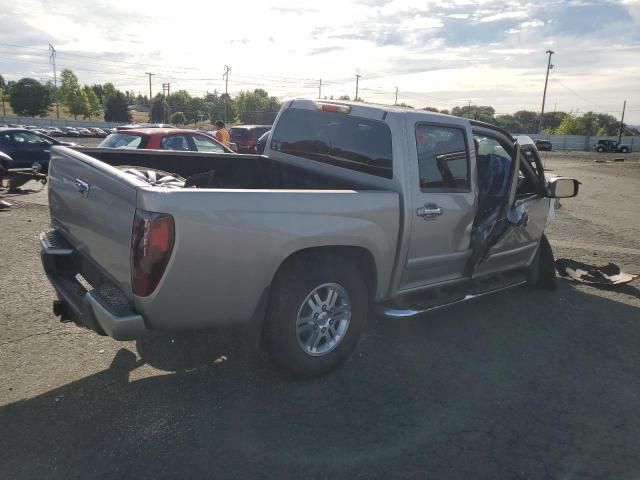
220, 359
607, 275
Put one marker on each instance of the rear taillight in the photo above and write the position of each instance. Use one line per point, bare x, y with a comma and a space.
151, 247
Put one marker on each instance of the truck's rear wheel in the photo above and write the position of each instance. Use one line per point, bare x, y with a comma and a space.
317, 310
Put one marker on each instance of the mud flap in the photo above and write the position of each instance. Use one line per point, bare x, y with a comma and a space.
542, 272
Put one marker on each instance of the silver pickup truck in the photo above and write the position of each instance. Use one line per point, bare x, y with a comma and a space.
352, 207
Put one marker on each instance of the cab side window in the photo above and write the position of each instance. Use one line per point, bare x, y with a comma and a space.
175, 142
443, 157
27, 138
204, 144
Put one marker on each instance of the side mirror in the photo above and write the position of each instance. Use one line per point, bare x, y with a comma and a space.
561, 187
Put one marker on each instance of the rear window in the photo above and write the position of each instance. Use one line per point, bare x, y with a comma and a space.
258, 132
338, 139
239, 134
123, 140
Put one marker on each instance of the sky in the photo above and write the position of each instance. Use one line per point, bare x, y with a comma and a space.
436, 53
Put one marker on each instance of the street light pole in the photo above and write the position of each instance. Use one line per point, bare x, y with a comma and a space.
544, 95
357, 78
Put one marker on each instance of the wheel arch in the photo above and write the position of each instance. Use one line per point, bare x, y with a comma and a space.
361, 256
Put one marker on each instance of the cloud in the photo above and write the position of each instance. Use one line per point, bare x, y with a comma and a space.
488, 50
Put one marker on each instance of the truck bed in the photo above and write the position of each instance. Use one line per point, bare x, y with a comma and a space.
227, 171
230, 238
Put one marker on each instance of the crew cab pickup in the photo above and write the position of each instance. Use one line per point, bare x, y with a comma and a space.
353, 207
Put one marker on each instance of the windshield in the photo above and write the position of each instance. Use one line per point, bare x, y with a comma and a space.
123, 140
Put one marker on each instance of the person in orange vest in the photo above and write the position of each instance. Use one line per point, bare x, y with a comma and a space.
222, 135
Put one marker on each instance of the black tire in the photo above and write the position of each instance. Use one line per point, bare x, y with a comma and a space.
293, 283
542, 272
624, 150
600, 149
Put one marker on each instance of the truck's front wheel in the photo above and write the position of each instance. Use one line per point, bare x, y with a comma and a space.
316, 313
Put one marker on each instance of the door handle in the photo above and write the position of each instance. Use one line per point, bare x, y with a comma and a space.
429, 212
82, 187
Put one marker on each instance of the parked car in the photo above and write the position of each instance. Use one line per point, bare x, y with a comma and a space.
70, 132
611, 146
543, 145
261, 144
164, 139
84, 132
26, 147
352, 205
246, 136
54, 132
97, 132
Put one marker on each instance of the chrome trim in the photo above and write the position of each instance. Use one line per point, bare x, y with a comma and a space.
407, 313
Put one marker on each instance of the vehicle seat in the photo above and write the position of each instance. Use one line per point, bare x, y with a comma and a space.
493, 181
176, 143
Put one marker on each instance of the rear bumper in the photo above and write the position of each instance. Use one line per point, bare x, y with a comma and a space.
103, 308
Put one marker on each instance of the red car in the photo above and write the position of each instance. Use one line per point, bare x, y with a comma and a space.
246, 136
164, 139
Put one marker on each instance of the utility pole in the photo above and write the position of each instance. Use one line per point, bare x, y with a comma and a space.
167, 87
52, 59
396, 102
225, 75
320, 90
4, 111
624, 107
150, 95
357, 79
544, 95
469, 110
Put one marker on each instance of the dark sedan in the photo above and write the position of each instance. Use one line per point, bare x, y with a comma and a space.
26, 147
543, 145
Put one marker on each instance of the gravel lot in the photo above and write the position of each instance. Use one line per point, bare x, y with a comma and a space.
525, 384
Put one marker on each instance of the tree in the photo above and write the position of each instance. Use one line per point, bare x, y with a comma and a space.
99, 92
30, 98
159, 109
72, 95
116, 108
109, 90
257, 106
569, 126
344, 97
178, 118
483, 113
508, 123
94, 105
529, 121
405, 105
3, 94
431, 109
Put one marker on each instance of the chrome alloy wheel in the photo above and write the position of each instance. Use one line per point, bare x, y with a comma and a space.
323, 319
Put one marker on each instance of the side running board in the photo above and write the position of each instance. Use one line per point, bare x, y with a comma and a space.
409, 312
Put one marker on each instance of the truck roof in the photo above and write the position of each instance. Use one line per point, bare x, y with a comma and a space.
380, 111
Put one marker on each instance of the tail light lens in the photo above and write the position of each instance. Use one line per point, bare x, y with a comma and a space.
151, 247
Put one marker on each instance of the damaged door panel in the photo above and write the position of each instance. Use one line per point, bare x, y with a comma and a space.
517, 236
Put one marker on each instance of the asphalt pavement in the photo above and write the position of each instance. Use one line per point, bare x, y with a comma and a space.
526, 384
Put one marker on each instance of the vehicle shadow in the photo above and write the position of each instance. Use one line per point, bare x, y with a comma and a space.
525, 384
